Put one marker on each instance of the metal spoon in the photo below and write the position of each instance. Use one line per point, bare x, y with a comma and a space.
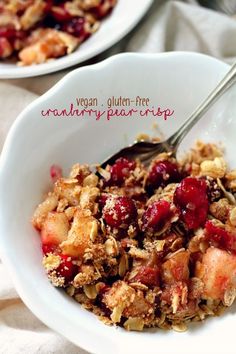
145, 151
226, 6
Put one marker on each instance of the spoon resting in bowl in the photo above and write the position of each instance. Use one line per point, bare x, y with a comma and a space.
145, 151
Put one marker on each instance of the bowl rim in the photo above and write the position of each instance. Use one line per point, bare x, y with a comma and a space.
8, 147
74, 58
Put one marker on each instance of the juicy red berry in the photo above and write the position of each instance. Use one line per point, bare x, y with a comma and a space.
163, 173
66, 268
149, 276
48, 248
192, 201
76, 28
220, 237
119, 211
156, 215
121, 170
55, 172
11, 33
48, 6
7, 32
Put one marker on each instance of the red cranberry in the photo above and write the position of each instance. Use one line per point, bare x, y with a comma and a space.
156, 215
12, 34
149, 276
119, 211
48, 6
66, 268
76, 28
191, 199
55, 172
48, 248
21, 34
220, 237
162, 173
121, 170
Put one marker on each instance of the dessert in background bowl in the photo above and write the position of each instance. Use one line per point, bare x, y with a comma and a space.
38, 36
176, 81
38, 30
144, 247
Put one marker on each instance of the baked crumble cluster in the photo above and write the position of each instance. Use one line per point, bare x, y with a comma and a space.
144, 247
38, 30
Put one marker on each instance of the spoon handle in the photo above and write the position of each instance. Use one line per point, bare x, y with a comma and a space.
228, 80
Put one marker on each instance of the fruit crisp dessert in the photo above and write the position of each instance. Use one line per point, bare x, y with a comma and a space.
39, 30
144, 247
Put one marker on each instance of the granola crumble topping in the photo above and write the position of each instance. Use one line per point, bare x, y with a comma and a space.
144, 247
36, 31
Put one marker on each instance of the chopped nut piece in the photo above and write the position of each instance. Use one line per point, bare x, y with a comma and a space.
229, 296
117, 313
220, 209
90, 181
111, 247
68, 191
86, 276
134, 324
138, 253
70, 290
227, 194
88, 197
119, 293
62, 204
231, 180
70, 212
51, 262
214, 169
139, 286
232, 216
90, 291
123, 265
181, 327
104, 173
94, 230
80, 172
159, 245
73, 9
33, 14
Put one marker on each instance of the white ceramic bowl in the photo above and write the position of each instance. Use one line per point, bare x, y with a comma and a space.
124, 17
178, 81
